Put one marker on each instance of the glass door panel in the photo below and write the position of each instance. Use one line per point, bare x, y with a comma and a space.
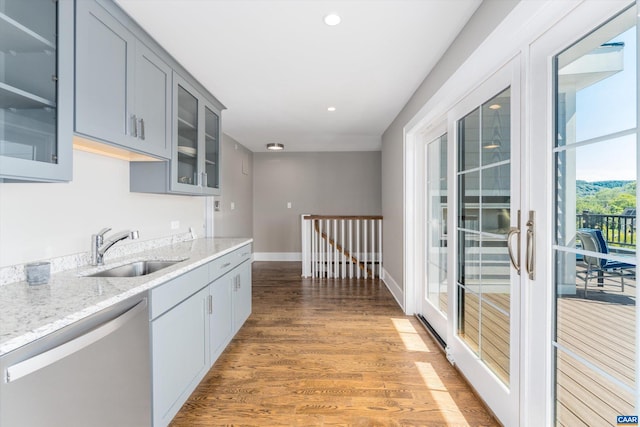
595, 158
187, 137
484, 206
28, 96
435, 295
212, 148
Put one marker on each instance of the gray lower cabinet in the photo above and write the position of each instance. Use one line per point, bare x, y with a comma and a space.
193, 319
242, 295
179, 355
123, 89
36, 90
221, 314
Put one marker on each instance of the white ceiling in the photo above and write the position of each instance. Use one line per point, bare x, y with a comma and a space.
277, 67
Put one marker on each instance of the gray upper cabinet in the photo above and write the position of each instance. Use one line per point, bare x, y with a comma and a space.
194, 168
36, 90
123, 89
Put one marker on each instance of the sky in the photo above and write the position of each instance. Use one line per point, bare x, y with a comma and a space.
606, 107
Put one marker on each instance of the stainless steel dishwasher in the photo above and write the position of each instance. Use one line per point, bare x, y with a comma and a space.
95, 372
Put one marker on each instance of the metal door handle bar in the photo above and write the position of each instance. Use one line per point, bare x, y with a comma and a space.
42, 360
531, 246
514, 231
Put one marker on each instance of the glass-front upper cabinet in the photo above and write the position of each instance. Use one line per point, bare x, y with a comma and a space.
187, 137
195, 168
212, 149
36, 90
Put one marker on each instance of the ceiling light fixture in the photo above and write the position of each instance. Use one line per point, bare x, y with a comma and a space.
274, 146
495, 106
331, 109
332, 19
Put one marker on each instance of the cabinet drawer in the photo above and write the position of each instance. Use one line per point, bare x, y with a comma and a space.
174, 291
226, 263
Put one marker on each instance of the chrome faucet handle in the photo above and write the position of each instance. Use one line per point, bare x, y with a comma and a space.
104, 231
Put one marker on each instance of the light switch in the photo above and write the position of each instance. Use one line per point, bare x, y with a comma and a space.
288, 205
233, 206
175, 225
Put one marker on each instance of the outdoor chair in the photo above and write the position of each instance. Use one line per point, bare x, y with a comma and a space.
598, 268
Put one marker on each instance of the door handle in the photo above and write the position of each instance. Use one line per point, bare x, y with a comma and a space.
531, 256
133, 126
141, 128
512, 232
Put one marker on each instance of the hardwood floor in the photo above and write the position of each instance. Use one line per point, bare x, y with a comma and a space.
324, 352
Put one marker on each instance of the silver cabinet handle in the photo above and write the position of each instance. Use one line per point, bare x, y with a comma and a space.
514, 231
141, 136
225, 265
210, 304
42, 360
531, 246
133, 126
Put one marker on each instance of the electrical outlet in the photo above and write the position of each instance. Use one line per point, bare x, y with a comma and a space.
175, 225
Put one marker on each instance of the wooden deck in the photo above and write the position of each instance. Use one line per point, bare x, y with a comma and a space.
325, 352
600, 328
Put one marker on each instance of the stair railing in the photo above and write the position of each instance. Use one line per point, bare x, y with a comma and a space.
342, 246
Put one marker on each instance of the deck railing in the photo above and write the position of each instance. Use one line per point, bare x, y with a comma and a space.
619, 230
341, 246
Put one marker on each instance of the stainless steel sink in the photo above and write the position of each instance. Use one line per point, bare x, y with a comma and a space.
135, 269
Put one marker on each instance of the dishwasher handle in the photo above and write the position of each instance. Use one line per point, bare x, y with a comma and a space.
42, 360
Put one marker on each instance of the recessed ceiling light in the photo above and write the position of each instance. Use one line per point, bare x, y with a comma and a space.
274, 146
495, 106
331, 109
332, 19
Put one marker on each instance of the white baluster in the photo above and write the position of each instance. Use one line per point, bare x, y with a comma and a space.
373, 248
327, 248
380, 248
358, 248
350, 259
343, 264
365, 241
313, 248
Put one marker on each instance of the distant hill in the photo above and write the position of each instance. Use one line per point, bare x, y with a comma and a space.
584, 188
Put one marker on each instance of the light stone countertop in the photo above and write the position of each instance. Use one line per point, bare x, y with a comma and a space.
31, 312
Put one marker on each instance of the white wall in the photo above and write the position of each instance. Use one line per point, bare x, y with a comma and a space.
41, 221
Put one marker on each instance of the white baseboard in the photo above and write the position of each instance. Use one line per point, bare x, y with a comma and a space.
277, 256
393, 287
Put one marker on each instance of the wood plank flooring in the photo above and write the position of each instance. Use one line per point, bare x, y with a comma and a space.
325, 352
600, 328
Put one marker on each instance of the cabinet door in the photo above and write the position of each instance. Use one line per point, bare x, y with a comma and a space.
180, 355
185, 168
211, 177
36, 90
221, 318
242, 295
104, 57
152, 103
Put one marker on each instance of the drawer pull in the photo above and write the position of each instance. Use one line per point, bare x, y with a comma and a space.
225, 265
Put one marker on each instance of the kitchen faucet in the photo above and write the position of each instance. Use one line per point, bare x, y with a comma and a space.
99, 246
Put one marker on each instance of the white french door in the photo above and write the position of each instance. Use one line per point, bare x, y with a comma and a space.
485, 178
543, 337
434, 292
583, 145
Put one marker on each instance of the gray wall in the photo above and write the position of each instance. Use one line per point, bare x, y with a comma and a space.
338, 183
236, 180
483, 21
